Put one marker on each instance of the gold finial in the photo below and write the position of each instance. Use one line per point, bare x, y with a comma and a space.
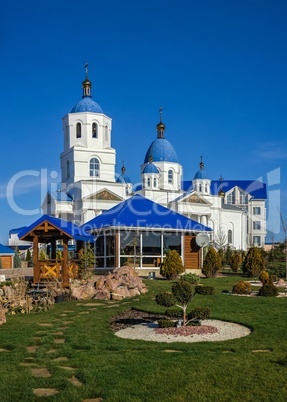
221, 193
160, 126
201, 165
150, 159
123, 168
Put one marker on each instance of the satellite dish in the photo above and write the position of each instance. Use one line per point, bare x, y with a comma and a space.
202, 239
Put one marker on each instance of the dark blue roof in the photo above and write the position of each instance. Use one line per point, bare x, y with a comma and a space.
255, 188
140, 212
6, 250
69, 228
123, 178
150, 168
200, 174
61, 196
161, 150
86, 104
17, 230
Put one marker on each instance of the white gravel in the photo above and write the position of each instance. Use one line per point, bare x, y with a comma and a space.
146, 332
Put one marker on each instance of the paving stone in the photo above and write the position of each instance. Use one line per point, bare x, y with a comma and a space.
83, 312
40, 372
67, 368
52, 351
4, 350
58, 341
45, 391
61, 359
74, 380
32, 349
172, 351
45, 324
58, 333
261, 350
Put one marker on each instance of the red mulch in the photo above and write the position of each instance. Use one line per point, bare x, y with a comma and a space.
188, 331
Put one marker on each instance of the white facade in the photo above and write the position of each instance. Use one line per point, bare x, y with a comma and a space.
235, 210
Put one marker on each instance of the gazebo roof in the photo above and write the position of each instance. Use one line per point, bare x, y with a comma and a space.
140, 212
47, 227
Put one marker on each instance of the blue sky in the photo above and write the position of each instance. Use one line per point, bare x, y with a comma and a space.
217, 67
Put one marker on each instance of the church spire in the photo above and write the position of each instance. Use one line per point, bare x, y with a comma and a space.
160, 126
86, 84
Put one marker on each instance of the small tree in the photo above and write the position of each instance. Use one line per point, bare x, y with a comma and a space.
17, 260
227, 255
87, 257
211, 263
172, 265
181, 295
28, 257
235, 261
253, 263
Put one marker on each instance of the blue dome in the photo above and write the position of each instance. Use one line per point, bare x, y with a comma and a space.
86, 104
123, 178
161, 150
150, 168
200, 174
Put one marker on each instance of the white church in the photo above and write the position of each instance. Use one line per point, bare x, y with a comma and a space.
234, 209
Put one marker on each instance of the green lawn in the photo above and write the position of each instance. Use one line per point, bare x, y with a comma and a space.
253, 368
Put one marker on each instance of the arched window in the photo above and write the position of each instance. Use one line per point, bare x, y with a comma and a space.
148, 182
229, 235
154, 182
200, 188
106, 133
95, 130
170, 176
78, 130
206, 189
68, 169
94, 167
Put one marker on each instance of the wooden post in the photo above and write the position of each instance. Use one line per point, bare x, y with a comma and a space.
65, 268
53, 249
36, 265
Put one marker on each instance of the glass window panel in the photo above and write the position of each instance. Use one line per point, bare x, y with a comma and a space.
172, 241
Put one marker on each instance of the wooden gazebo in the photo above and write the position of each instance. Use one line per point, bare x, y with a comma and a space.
51, 230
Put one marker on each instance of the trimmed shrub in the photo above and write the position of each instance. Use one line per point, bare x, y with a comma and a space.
242, 288
173, 313
165, 299
254, 262
166, 324
199, 313
193, 279
235, 261
268, 290
205, 290
264, 277
182, 291
212, 263
172, 265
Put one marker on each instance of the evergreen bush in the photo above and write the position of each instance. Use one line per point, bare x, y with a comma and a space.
264, 277
17, 260
166, 324
165, 299
172, 265
242, 288
212, 263
235, 261
199, 313
205, 290
173, 313
268, 290
193, 279
253, 263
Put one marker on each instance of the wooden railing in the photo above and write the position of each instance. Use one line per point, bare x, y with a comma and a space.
53, 269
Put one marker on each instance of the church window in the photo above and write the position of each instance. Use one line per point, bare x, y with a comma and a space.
95, 130
94, 167
154, 182
68, 169
206, 188
79, 130
148, 182
170, 176
257, 225
242, 198
200, 187
256, 210
231, 198
106, 133
229, 235
257, 241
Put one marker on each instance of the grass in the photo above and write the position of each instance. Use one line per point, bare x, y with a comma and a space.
120, 370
